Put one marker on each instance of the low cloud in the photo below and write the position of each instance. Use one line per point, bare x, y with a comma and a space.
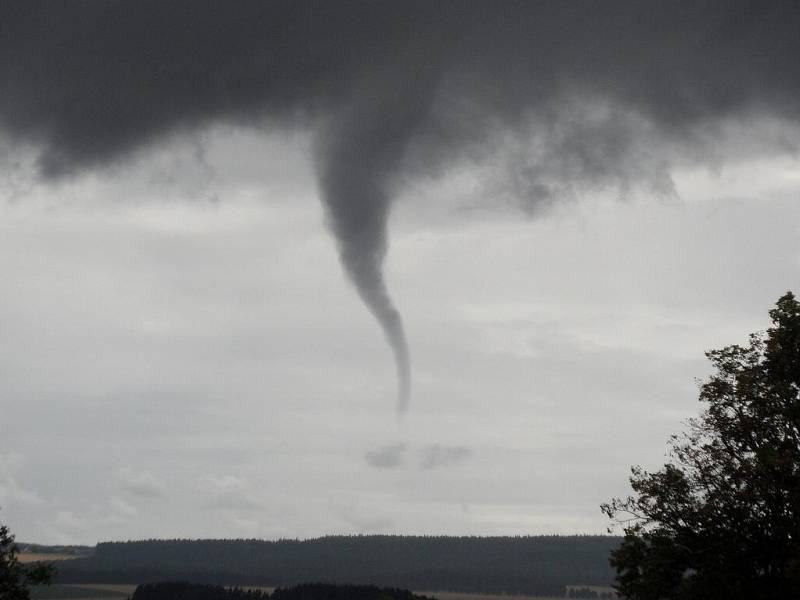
122, 509
11, 490
365, 519
228, 492
143, 483
66, 519
436, 455
386, 457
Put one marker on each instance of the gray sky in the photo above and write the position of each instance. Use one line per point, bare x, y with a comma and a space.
572, 224
177, 365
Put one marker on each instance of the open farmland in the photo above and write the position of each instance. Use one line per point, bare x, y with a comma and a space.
29, 557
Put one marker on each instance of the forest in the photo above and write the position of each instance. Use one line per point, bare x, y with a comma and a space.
535, 565
308, 591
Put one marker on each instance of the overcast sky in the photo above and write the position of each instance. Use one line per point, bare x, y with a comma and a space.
190, 280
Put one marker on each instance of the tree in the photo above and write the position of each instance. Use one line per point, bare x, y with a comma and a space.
15, 578
722, 518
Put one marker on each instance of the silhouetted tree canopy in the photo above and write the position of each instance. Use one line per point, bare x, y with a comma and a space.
722, 518
16, 578
327, 591
183, 590
586, 592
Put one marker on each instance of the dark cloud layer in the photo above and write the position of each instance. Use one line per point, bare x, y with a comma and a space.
386, 457
392, 90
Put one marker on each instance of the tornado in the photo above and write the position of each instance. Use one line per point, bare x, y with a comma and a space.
361, 235
358, 158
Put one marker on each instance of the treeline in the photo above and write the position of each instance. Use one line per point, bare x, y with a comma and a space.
310, 591
585, 592
182, 590
542, 565
327, 591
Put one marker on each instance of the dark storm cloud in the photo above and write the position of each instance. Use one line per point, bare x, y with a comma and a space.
393, 90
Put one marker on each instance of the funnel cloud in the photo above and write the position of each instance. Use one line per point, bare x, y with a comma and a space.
356, 159
568, 96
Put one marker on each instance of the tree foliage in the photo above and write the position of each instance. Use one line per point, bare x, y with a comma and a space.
15, 578
722, 518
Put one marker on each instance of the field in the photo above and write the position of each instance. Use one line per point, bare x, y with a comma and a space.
29, 557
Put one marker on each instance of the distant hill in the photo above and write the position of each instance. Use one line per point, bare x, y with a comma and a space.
541, 565
76, 551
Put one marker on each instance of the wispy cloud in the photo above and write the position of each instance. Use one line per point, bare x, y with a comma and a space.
364, 518
139, 483
228, 492
11, 490
122, 509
